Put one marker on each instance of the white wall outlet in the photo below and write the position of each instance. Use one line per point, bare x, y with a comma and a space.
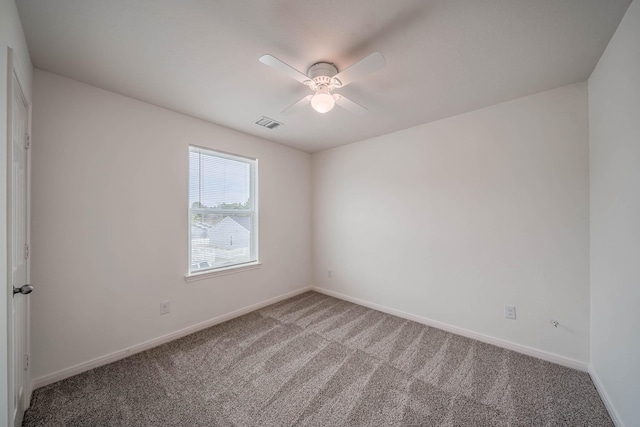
330, 274
165, 307
510, 312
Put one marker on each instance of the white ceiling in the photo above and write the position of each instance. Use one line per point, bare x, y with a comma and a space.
200, 57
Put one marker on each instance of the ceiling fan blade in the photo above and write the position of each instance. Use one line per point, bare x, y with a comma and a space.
349, 105
274, 62
367, 65
298, 106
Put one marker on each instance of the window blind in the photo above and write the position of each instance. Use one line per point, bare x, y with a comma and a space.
222, 210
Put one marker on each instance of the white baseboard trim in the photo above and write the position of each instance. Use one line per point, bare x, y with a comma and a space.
529, 351
121, 354
613, 413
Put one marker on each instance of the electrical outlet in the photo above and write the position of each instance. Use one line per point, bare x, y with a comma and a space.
330, 274
165, 307
510, 312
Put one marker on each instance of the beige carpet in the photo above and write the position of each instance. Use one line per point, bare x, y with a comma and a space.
313, 360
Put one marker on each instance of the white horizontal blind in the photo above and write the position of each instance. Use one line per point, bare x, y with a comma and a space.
222, 210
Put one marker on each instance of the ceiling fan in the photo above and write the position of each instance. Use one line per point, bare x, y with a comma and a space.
323, 78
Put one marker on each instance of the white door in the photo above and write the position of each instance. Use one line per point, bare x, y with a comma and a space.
18, 253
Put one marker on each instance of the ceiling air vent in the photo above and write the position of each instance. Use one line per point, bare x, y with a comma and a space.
268, 123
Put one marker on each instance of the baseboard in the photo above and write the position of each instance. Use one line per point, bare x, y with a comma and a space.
121, 354
549, 357
613, 413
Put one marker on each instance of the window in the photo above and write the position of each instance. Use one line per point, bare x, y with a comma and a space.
222, 210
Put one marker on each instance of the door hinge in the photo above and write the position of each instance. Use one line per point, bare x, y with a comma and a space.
27, 141
26, 362
26, 251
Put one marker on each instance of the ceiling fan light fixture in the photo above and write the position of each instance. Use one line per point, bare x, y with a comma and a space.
323, 101
322, 78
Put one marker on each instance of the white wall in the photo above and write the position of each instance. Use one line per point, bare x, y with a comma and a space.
11, 36
614, 132
452, 220
109, 229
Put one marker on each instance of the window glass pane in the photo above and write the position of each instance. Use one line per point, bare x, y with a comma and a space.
221, 210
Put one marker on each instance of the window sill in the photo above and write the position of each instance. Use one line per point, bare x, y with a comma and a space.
222, 271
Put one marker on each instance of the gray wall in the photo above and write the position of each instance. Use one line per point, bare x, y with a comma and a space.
109, 172
614, 133
453, 219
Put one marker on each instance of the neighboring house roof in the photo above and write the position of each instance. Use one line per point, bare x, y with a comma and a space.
233, 221
198, 231
243, 220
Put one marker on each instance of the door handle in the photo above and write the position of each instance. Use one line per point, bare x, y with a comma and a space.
24, 290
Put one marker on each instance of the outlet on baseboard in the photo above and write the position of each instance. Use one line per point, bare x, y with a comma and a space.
510, 312
165, 307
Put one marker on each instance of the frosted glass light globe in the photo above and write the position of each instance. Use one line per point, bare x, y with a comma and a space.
323, 102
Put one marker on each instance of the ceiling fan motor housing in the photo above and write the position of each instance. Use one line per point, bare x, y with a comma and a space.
322, 74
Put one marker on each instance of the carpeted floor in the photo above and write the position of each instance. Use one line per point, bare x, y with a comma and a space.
313, 360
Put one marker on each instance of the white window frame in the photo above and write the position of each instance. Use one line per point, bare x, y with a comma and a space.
253, 211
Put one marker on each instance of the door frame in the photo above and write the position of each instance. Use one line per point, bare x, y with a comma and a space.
14, 73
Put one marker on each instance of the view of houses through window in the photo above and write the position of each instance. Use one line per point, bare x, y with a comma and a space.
222, 210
